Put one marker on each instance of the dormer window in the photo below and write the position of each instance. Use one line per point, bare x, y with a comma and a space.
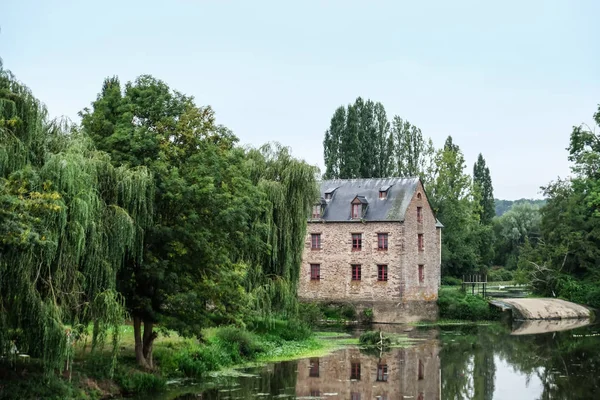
358, 207
329, 193
316, 213
383, 192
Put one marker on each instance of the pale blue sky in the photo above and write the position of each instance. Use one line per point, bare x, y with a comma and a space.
508, 79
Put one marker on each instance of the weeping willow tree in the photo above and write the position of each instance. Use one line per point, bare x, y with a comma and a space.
67, 219
290, 189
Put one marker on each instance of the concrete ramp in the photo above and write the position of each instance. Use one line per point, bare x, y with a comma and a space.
543, 309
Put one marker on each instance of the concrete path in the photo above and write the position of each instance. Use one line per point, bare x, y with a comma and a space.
543, 308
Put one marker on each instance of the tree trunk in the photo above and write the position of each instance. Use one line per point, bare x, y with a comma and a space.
149, 336
139, 345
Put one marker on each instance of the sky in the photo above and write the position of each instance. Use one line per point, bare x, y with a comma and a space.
506, 79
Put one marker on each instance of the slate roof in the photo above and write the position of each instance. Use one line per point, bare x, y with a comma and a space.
399, 194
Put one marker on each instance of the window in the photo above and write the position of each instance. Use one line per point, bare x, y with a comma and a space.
383, 194
420, 215
315, 393
315, 272
421, 370
419, 196
355, 371
314, 368
421, 273
316, 213
354, 396
355, 211
382, 241
382, 273
356, 272
356, 241
382, 372
420, 396
421, 246
315, 241
328, 196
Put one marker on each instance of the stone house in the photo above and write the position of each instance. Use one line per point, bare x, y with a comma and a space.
374, 243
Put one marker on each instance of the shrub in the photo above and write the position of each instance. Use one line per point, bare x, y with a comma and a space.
451, 281
500, 275
140, 382
310, 313
340, 311
454, 304
295, 330
238, 339
366, 317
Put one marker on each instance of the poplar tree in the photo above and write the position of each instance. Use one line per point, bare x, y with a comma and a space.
350, 152
482, 185
331, 143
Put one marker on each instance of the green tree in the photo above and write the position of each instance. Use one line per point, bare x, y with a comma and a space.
331, 143
384, 144
450, 196
482, 185
520, 223
350, 151
192, 271
68, 219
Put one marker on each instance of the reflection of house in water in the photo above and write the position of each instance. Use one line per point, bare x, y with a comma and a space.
350, 374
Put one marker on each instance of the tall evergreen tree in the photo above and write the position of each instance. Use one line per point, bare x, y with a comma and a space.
482, 186
368, 138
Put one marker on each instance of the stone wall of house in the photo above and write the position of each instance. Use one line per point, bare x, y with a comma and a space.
430, 258
336, 258
411, 373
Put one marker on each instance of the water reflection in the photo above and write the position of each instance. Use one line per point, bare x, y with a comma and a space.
351, 374
450, 363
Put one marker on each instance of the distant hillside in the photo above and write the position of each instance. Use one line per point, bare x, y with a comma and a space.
503, 206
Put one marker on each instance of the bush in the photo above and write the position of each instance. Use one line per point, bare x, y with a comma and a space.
454, 304
340, 311
283, 329
140, 382
451, 281
310, 313
366, 317
500, 275
239, 339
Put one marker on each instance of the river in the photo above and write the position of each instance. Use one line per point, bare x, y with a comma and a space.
449, 362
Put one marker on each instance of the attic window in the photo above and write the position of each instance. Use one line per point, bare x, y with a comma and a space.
419, 196
358, 207
316, 213
328, 196
329, 193
355, 210
383, 191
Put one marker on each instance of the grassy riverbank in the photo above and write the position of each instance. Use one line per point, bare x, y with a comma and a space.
175, 358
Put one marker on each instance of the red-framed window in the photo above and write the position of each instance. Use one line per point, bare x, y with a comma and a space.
382, 194
382, 241
355, 371
315, 393
421, 370
328, 196
354, 396
421, 273
420, 215
355, 210
315, 241
382, 372
420, 240
382, 272
420, 397
315, 272
316, 212
356, 241
356, 269
314, 368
